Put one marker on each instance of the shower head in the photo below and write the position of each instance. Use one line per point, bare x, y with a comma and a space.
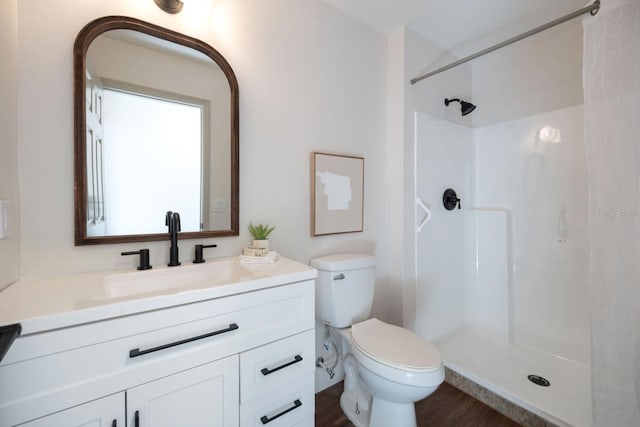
465, 107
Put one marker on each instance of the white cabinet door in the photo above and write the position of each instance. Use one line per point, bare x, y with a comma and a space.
205, 396
105, 412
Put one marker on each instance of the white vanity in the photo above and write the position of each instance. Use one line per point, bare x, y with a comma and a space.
215, 344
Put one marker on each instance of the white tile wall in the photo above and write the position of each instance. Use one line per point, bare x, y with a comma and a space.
544, 185
444, 159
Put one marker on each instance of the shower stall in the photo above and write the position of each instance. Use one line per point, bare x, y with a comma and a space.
502, 281
502, 275
530, 288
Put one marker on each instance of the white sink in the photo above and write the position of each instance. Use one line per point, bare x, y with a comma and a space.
174, 279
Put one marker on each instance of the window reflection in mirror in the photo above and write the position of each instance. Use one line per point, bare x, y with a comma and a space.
134, 151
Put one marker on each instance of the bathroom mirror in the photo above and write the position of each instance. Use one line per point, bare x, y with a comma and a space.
156, 130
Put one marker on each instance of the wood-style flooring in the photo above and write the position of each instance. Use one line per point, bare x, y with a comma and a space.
447, 406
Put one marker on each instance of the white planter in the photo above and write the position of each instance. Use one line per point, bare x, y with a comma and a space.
264, 244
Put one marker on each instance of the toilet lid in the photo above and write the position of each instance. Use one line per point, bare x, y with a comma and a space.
394, 346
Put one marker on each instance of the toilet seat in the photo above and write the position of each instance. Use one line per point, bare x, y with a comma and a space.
395, 347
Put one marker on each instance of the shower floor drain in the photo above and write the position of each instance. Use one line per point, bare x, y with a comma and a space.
538, 380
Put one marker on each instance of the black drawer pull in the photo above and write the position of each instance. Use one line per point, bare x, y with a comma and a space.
136, 419
266, 371
137, 352
114, 423
296, 405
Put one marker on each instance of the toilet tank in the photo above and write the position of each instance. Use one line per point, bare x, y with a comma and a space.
344, 288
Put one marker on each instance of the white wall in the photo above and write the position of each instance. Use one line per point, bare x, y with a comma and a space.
535, 75
401, 310
310, 79
427, 96
9, 247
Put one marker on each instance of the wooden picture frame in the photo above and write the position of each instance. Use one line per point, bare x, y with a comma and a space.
337, 194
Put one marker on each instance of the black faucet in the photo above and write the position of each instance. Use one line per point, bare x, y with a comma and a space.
172, 220
199, 259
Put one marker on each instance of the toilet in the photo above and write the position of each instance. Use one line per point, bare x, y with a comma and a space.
387, 368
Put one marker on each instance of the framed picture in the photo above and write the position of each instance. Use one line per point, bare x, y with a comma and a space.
337, 193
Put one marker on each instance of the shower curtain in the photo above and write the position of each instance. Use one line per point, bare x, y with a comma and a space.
611, 78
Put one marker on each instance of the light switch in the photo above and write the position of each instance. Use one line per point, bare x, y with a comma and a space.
219, 205
5, 223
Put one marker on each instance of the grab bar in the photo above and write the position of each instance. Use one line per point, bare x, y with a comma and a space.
427, 216
137, 352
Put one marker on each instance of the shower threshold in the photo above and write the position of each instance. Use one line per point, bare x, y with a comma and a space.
476, 362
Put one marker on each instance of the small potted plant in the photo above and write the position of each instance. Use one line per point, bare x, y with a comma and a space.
260, 235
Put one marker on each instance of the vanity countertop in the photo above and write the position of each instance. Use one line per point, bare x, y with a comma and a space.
49, 303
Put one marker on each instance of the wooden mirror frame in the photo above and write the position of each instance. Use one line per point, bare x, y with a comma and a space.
83, 40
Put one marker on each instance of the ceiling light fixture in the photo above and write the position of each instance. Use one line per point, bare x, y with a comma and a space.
170, 6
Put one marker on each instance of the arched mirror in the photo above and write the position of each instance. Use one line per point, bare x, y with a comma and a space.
156, 130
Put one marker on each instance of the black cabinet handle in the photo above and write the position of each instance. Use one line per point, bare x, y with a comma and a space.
136, 419
267, 420
266, 371
137, 352
114, 423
